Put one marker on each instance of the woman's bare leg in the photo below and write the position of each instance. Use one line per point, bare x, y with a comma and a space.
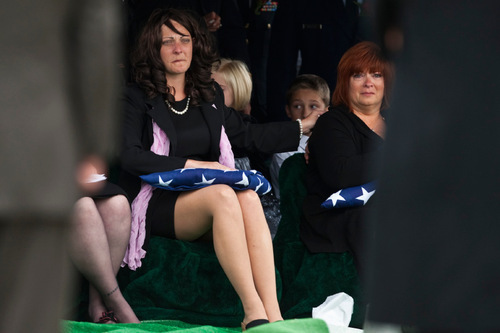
116, 217
218, 209
260, 249
92, 253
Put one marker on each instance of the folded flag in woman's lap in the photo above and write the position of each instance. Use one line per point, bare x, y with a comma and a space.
191, 179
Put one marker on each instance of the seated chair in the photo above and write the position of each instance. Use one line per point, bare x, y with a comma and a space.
308, 279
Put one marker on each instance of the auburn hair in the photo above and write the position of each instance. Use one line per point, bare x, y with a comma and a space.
362, 57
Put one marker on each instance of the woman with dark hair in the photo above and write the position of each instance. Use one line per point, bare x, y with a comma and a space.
343, 149
175, 118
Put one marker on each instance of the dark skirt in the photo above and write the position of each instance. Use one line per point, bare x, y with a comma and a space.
107, 191
160, 214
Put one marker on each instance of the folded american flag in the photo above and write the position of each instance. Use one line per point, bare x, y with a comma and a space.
350, 196
191, 179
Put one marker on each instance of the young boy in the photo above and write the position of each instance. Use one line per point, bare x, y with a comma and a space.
306, 94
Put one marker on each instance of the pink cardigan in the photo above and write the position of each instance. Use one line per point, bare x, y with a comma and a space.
160, 146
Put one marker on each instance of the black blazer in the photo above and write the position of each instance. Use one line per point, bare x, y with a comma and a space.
139, 111
343, 153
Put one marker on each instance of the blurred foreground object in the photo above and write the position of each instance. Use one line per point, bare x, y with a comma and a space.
57, 91
434, 261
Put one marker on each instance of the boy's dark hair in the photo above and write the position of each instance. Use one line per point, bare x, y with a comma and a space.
312, 82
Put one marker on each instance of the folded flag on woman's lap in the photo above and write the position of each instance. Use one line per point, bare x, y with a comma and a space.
350, 196
191, 179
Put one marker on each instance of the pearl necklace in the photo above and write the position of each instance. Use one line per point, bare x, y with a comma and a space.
176, 111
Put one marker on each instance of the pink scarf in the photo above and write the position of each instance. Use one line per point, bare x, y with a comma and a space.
160, 146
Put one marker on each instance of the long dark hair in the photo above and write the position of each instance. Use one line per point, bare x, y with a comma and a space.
148, 70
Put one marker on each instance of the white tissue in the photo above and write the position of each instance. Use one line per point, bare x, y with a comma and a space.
336, 310
94, 178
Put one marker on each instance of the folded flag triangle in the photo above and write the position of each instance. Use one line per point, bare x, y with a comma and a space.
350, 196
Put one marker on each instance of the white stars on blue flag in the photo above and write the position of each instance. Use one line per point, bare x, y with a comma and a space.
162, 183
191, 179
244, 180
350, 197
204, 181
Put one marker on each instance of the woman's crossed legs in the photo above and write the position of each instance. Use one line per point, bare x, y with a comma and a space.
242, 243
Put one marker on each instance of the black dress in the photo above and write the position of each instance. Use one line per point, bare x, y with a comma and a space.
107, 190
343, 151
198, 138
194, 138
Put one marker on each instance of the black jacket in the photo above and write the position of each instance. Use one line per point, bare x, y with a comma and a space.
137, 158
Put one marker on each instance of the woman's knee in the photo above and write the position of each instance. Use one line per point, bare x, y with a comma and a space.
83, 207
117, 205
223, 194
115, 210
249, 197
251, 207
85, 214
222, 199
120, 205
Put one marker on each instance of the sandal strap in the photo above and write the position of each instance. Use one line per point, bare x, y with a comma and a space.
107, 316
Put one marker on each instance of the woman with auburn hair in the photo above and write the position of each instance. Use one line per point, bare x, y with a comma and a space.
362, 56
175, 118
343, 150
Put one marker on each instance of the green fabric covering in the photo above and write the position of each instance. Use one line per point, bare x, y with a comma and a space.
287, 326
182, 281
293, 326
147, 326
308, 279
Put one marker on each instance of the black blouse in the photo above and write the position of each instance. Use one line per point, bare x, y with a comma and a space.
343, 153
192, 132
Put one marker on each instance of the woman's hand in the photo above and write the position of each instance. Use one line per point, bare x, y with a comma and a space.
206, 165
213, 21
87, 168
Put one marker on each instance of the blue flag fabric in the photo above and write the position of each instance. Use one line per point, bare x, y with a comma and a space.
191, 179
350, 197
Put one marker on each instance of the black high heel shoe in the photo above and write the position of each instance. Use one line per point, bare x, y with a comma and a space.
253, 323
